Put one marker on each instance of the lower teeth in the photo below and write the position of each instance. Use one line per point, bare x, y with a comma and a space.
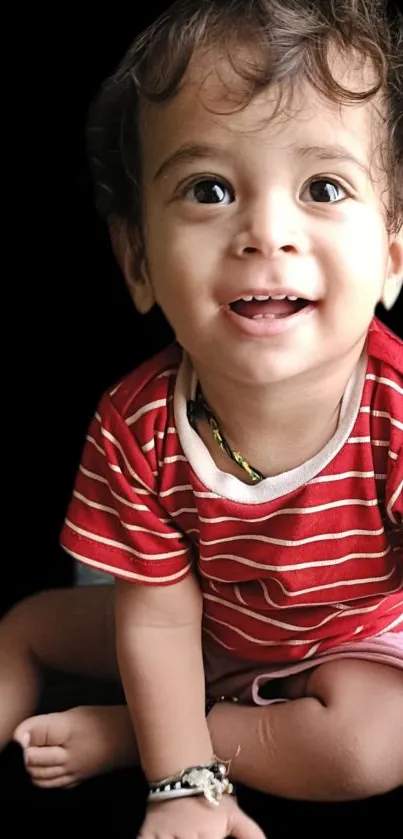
268, 317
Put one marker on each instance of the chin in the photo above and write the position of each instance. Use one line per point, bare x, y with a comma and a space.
268, 376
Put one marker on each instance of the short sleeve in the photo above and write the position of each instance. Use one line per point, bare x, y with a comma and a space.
115, 522
394, 501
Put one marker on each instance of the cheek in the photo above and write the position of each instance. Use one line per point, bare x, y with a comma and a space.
181, 265
359, 257
174, 291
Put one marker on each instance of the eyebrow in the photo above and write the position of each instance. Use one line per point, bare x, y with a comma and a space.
333, 152
189, 153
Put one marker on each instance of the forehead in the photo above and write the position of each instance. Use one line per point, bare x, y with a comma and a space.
214, 103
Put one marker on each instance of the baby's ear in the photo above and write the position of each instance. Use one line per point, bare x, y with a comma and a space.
391, 291
394, 280
129, 254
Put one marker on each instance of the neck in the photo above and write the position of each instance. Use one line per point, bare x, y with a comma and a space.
281, 425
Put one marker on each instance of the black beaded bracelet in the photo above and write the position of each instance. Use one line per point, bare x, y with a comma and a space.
211, 781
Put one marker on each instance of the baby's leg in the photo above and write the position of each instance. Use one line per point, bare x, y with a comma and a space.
342, 739
71, 630
67, 629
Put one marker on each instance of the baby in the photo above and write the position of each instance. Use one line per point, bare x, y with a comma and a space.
244, 486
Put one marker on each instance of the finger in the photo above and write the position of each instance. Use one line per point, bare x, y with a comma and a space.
245, 828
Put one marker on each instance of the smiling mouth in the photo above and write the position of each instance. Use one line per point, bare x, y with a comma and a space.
258, 308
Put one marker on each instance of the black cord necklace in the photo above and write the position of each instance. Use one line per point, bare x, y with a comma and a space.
199, 408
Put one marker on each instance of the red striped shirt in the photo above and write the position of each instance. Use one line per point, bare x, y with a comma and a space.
289, 568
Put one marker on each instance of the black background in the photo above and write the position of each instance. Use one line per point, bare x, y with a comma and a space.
71, 329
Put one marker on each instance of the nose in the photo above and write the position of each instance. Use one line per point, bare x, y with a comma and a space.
270, 225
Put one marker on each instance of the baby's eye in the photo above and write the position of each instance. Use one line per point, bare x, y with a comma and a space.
323, 190
209, 191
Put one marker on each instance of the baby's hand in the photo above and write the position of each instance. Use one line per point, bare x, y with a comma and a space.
195, 818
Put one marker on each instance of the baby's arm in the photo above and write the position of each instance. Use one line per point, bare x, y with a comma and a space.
158, 636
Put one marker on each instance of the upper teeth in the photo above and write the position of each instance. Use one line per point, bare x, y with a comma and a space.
264, 298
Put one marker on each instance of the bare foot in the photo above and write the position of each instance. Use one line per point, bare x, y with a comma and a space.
61, 750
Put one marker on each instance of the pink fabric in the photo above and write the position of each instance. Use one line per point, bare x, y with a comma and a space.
226, 676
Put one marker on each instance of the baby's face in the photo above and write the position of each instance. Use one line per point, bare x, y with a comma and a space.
242, 205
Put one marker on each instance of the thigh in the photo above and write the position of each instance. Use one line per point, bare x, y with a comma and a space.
67, 629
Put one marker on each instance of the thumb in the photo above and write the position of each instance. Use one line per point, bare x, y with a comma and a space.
243, 827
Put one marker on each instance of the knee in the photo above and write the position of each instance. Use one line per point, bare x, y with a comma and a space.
25, 607
21, 620
364, 766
